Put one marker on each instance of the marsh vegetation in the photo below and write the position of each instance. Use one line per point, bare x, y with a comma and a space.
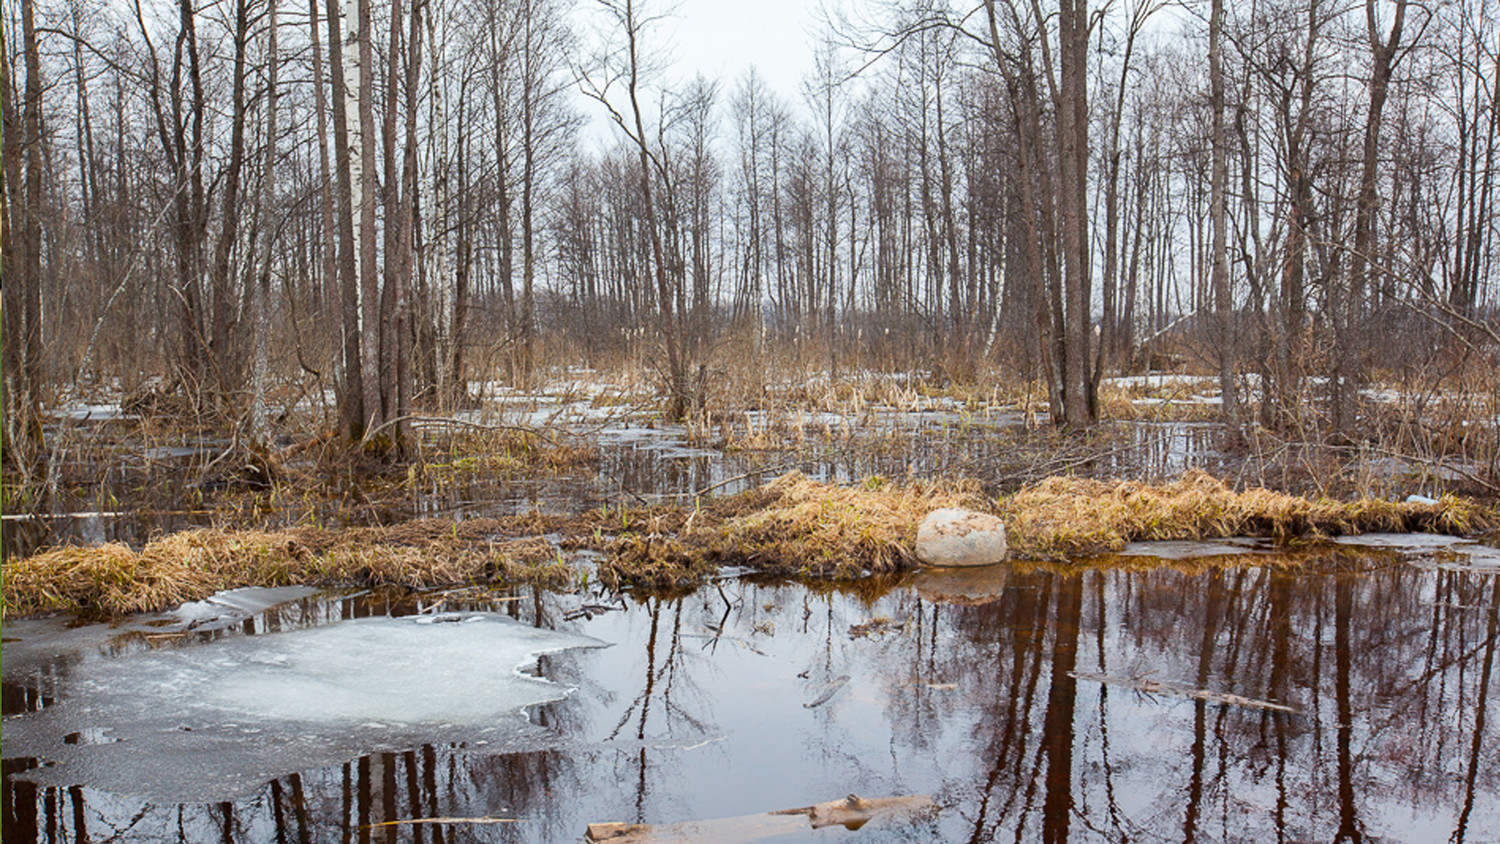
385, 322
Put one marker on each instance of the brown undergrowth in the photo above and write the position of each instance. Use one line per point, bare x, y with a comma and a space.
793, 526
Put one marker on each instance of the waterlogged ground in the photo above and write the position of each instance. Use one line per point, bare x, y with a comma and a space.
127, 486
126, 477
1104, 704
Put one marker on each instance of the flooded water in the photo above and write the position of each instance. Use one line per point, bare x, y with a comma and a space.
1350, 699
132, 490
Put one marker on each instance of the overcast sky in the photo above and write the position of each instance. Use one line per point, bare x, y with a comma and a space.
721, 39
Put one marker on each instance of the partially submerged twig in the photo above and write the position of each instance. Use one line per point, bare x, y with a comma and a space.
852, 812
1154, 687
484, 820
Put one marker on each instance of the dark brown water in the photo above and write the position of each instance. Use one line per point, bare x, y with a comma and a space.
746, 697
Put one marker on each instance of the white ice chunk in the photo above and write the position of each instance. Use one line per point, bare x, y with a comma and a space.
1407, 541
183, 718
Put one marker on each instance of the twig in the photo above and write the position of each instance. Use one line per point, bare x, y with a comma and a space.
781, 467
1438, 463
485, 820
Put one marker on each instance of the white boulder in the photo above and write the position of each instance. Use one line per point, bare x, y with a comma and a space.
956, 537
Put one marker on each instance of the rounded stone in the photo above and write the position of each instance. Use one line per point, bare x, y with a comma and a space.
957, 537
968, 586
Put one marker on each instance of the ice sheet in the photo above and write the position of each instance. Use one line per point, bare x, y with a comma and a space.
211, 722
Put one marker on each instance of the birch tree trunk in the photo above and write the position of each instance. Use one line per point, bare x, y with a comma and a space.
260, 291
346, 153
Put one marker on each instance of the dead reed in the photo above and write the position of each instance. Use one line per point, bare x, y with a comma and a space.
1063, 517
793, 526
112, 579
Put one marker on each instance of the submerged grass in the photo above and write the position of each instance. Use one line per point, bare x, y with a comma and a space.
793, 526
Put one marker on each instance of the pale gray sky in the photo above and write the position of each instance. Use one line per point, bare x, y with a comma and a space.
722, 38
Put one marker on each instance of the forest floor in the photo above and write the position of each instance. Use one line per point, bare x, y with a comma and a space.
581, 479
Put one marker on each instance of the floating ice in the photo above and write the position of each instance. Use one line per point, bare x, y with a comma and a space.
1408, 541
236, 605
216, 721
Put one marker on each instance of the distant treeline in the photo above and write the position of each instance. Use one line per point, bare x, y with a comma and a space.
251, 198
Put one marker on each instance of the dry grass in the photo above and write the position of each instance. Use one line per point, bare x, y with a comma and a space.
793, 526
1063, 517
112, 579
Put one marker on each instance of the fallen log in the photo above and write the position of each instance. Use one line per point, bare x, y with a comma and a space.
852, 813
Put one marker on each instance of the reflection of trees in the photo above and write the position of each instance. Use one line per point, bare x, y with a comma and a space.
1384, 660
1392, 667
658, 711
1481, 711
1057, 729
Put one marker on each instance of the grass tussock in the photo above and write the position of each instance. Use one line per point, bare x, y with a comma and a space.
504, 452
794, 525
1063, 517
112, 580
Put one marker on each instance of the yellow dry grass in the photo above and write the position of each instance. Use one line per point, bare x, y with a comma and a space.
1063, 517
794, 525
113, 579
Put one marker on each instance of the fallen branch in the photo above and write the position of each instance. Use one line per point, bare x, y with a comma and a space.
1157, 687
851, 813
484, 820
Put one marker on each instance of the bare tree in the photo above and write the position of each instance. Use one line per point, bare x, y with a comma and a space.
22, 247
626, 66
1385, 52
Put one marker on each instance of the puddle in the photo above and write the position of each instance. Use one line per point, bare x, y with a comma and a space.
1090, 707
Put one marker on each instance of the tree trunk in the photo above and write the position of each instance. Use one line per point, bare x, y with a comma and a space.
369, 280
260, 291
220, 274
23, 446
1349, 366
1073, 155
328, 297
1223, 301
677, 401
346, 147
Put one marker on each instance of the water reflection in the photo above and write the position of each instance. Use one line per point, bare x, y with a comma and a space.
702, 711
635, 464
